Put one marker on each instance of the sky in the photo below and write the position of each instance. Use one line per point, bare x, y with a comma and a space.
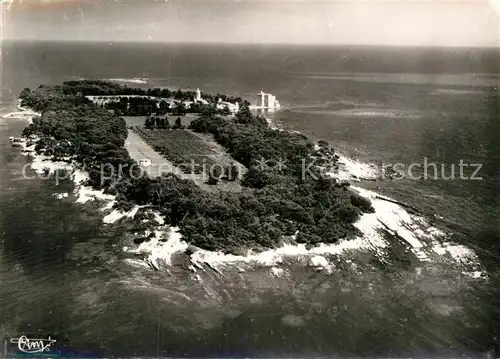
360, 22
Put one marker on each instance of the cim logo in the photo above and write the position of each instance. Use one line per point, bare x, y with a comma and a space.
33, 345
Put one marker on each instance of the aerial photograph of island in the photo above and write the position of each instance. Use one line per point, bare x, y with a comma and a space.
249, 179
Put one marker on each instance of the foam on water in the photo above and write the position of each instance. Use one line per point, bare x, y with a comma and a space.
23, 113
277, 272
161, 251
116, 215
321, 263
353, 170
61, 195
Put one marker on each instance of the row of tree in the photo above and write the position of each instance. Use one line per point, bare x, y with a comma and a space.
161, 123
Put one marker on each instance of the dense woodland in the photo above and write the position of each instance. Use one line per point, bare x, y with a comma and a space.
281, 202
106, 88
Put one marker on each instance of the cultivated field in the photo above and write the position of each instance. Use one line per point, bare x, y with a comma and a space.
178, 146
187, 154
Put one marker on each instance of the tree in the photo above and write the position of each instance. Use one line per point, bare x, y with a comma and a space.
178, 124
232, 172
195, 108
214, 174
149, 123
163, 123
179, 95
180, 109
157, 121
244, 115
25, 94
208, 111
163, 108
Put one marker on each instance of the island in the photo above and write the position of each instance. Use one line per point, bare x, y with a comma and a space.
270, 186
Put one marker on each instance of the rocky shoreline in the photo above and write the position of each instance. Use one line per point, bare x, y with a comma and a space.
161, 243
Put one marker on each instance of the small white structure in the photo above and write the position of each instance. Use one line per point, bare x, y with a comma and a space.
145, 162
187, 104
232, 107
267, 100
